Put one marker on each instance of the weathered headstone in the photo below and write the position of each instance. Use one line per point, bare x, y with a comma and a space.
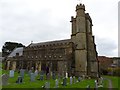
66, 75
74, 79
47, 85
20, 79
56, 83
96, 84
32, 77
53, 76
22, 73
11, 73
41, 75
29, 72
5, 79
36, 72
71, 80
79, 79
64, 81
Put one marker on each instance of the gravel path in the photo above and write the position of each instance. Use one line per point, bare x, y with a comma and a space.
110, 84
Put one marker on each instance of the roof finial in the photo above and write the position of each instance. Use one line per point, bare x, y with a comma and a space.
31, 41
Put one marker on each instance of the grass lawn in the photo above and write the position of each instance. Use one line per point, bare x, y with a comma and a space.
115, 81
38, 84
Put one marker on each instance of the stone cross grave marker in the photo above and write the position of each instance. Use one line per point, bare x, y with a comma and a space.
5, 79
11, 73
64, 81
56, 83
19, 80
32, 77
22, 73
47, 85
71, 80
36, 72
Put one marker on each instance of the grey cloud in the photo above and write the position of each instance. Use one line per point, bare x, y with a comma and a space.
106, 47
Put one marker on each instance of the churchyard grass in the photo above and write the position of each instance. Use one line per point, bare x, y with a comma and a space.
38, 84
115, 81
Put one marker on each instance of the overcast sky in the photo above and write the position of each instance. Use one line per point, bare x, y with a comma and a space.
24, 21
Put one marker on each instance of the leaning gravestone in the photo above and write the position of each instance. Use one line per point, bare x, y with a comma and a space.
56, 83
71, 80
32, 77
11, 73
22, 73
19, 80
5, 79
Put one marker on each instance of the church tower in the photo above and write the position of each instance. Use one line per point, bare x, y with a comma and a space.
84, 48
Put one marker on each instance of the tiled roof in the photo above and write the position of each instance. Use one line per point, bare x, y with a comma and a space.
50, 42
16, 50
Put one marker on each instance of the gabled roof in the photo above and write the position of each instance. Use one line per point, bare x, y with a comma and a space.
50, 42
16, 50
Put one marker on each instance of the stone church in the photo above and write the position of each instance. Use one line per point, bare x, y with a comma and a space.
77, 55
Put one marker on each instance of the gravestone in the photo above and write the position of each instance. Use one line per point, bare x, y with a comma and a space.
29, 72
11, 73
66, 75
56, 83
47, 85
41, 75
53, 76
96, 84
20, 79
74, 79
32, 77
71, 80
64, 81
5, 79
79, 79
83, 77
36, 72
22, 73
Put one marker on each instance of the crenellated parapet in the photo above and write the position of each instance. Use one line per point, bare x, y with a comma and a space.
80, 6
